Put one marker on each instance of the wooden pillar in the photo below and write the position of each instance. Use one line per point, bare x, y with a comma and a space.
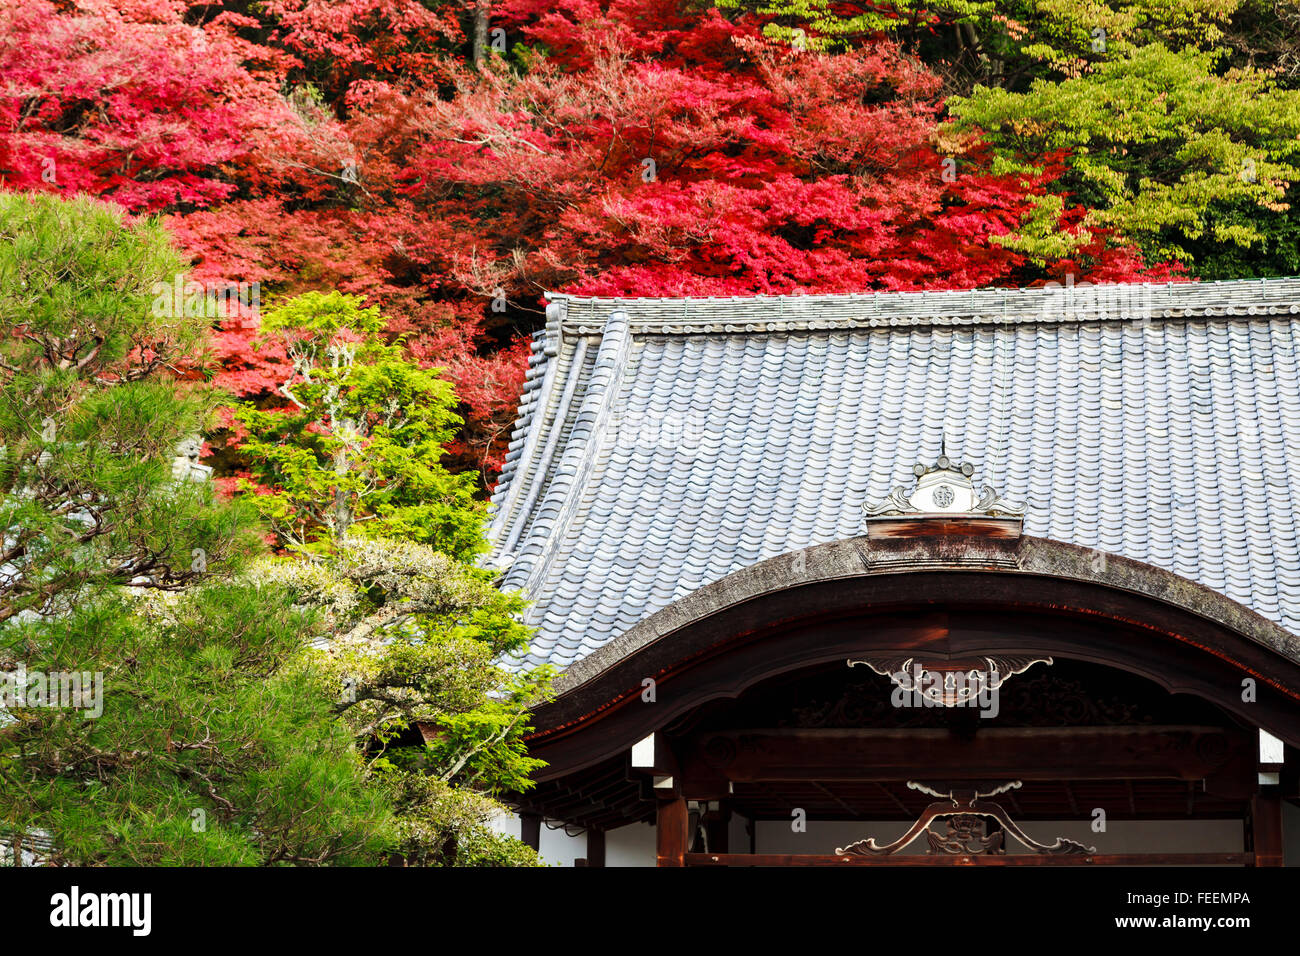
718, 829
1266, 830
670, 832
530, 829
595, 847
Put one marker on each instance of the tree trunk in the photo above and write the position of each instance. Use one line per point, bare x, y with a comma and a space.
480, 31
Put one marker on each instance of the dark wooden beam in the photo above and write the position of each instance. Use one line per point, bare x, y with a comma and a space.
847, 809
530, 829
654, 763
1074, 801
1266, 830
894, 797
670, 832
595, 847
717, 828
1030, 753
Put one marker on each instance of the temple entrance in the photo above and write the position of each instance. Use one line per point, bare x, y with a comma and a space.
1065, 763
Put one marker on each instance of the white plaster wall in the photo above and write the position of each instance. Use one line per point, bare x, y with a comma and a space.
627, 846
1141, 836
557, 848
1290, 834
630, 846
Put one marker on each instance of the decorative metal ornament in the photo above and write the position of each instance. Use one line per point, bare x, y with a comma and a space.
961, 813
896, 503
944, 488
951, 683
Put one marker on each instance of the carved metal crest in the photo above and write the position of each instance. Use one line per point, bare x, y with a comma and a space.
961, 810
951, 683
944, 488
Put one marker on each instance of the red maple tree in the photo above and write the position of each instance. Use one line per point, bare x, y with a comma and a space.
633, 147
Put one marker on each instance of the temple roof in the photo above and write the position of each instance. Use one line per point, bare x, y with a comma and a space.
665, 443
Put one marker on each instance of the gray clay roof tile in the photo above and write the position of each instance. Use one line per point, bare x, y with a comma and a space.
662, 444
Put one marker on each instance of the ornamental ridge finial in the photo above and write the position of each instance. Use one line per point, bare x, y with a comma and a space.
944, 489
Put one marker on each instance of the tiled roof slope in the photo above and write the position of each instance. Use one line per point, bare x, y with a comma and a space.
663, 444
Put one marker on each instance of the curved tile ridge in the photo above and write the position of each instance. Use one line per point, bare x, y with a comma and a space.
530, 423
524, 421
1050, 304
548, 518
555, 434
553, 331
524, 458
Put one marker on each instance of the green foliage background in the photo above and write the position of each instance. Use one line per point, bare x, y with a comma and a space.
334, 701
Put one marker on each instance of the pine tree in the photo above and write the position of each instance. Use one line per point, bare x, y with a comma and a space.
197, 732
376, 536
